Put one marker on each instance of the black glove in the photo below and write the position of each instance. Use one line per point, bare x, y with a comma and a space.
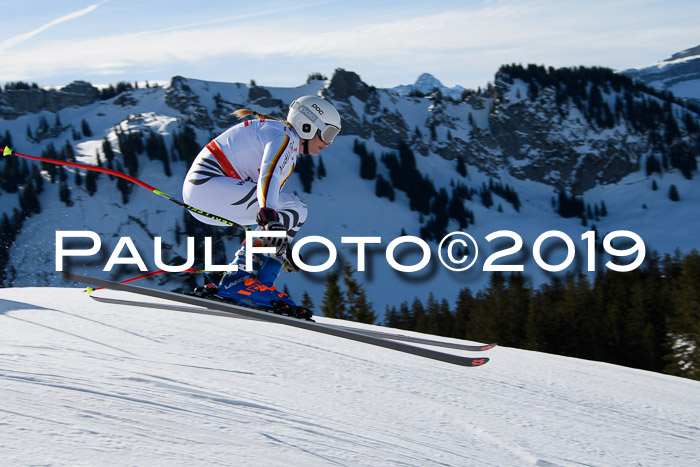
289, 265
269, 221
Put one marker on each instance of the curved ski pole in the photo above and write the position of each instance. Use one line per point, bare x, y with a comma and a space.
8, 152
142, 276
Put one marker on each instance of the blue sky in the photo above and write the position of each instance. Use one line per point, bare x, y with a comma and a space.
279, 43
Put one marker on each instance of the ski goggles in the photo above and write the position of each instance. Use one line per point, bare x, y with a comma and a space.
327, 132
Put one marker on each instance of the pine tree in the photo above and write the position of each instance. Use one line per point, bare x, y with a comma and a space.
485, 319
130, 145
463, 309
333, 305
368, 166
684, 324
486, 197
673, 193
64, 193
123, 186
157, 149
38, 179
62, 177
416, 313
67, 152
398, 319
85, 127
51, 169
305, 170
456, 209
382, 188
7, 140
357, 306
438, 317
461, 167
514, 308
321, 169
43, 127
9, 175
653, 165
28, 200
417, 134
8, 232
107, 150
306, 300
91, 182
406, 317
185, 144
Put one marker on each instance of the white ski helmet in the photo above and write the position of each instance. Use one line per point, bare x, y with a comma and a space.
310, 114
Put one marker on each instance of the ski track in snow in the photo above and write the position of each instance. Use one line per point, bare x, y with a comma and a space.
87, 383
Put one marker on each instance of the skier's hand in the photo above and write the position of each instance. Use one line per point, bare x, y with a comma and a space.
289, 265
268, 220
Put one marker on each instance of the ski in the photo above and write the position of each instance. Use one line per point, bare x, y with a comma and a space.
163, 306
423, 341
383, 335
231, 310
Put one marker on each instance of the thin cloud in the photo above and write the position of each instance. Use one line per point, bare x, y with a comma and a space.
465, 40
277, 11
4, 45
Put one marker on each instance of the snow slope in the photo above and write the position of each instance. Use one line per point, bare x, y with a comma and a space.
84, 383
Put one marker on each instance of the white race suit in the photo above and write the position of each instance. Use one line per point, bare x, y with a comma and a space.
243, 170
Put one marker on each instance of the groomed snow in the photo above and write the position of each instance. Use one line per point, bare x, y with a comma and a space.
85, 383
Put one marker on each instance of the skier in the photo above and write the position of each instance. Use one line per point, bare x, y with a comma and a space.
239, 176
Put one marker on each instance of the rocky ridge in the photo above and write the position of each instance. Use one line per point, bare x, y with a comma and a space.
500, 129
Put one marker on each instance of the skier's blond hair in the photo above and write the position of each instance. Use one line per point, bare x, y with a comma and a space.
243, 113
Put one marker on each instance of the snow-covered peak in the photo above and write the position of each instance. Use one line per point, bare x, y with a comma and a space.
680, 74
691, 53
427, 83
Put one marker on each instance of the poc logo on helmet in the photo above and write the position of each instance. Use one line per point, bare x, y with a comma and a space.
317, 109
308, 113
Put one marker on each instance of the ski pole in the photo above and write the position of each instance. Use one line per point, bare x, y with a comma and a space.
142, 276
8, 152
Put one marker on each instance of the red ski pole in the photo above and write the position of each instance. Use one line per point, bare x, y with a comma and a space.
142, 276
8, 152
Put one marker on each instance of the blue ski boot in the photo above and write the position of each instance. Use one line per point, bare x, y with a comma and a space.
267, 276
256, 288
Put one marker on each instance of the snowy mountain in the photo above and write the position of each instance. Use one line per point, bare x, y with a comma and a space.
679, 74
84, 383
538, 133
427, 84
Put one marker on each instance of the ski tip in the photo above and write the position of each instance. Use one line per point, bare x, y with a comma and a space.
489, 346
479, 361
7, 151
